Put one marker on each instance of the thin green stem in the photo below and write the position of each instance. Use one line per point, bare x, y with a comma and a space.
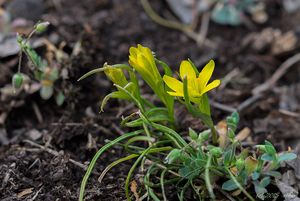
240, 186
20, 61
102, 69
161, 21
207, 178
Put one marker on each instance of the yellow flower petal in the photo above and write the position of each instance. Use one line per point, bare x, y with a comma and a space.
133, 51
173, 84
117, 76
205, 74
146, 52
172, 93
211, 86
144, 64
193, 92
132, 60
187, 70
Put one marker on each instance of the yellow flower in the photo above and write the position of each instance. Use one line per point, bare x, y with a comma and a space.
197, 86
142, 60
116, 75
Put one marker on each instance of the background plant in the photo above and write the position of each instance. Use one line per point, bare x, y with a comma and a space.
203, 161
233, 12
42, 71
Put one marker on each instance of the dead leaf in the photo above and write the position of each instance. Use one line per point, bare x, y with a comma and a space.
250, 164
91, 142
33, 134
295, 164
289, 178
222, 131
243, 134
284, 43
27, 191
133, 189
271, 40
288, 192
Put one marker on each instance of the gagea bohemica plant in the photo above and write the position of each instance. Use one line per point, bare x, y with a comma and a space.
202, 164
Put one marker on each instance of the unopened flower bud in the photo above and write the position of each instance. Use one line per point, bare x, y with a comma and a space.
41, 27
216, 151
240, 163
17, 80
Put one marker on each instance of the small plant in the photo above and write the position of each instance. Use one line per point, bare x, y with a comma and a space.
42, 72
198, 161
233, 12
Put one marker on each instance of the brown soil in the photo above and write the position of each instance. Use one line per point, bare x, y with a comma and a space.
76, 131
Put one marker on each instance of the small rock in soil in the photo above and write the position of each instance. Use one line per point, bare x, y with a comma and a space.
28, 9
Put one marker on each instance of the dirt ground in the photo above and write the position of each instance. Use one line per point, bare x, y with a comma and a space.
106, 30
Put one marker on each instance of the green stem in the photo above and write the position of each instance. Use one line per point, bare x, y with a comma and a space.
20, 61
214, 134
207, 178
161, 21
162, 183
240, 186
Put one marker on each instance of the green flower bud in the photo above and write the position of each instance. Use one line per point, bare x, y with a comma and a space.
261, 148
233, 120
17, 80
216, 151
240, 163
41, 27
230, 133
19, 39
193, 134
204, 135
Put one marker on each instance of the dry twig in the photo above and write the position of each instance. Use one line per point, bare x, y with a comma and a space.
200, 38
257, 92
283, 68
55, 153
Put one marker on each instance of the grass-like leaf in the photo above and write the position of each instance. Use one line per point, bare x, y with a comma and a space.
98, 154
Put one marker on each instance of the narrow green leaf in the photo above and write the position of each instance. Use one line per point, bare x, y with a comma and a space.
194, 67
207, 178
113, 164
165, 66
204, 106
97, 155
